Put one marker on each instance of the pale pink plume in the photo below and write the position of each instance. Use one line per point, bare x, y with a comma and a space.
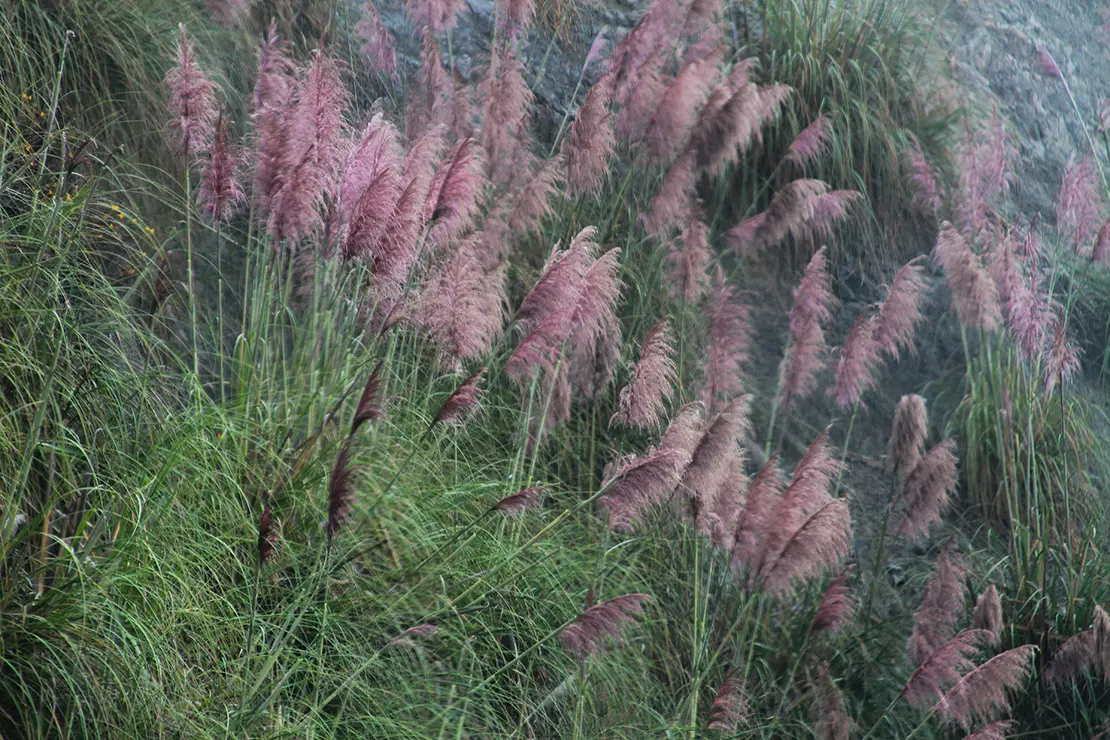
724, 127
462, 305
515, 16
729, 344
820, 544
790, 211
1102, 641
640, 482
688, 258
741, 73
1071, 659
829, 210
985, 173
643, 400
942, 668
772, 99
710, 48
641, 99
836, 609
1063, 359
974, 294
833, 722
907, 435
590, 143
584, 635
857, 363
533, 202
370, 188
273, 89
702, 14
927, 489
728, 503
710, 465
430, 94
455, 194
312, 154
371, 404
805, 352
900, 312
1045, 64
934, 622
764, 496
1079, 201
219, 191
674, 118
377, 41
742, 237
988, 614
729, 705
993, 731
227, 12
812, 142
521, 501
1102, 244
506, 110
463, 402
672, 200
595, 331
928, 193
597, 48
433, 17
983, 694
192, 102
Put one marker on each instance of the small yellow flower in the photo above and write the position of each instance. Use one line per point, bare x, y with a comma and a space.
115, 208
27, 147
42, 114
149, 230
69, 197
121, 215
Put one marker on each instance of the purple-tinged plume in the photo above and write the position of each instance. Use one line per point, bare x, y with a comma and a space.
533, 203
833, 722
689, 257
927, 489
942, 668
1045, 64
934, 622
806, 349
1072, 658
907, 435
974, 294
670, 127
983, 694
406, 638
820, 544
595, 331
837, 607
370, 188
928, 193
1079, 201
433, 17
267, 535
1063, 360
764, 496
430, 94
988, 614
812, 142
1101, 249
219, 191
642, 401
371, 405
192, 102
729, 345
900, 312
463, 401
462, 305
341, 491
590, 143
273, 90
789, 214
729, 705
515, 16
857, 363
521, 501
672, 200
454, 195
711, 464
506, 110
377, 41
584, 635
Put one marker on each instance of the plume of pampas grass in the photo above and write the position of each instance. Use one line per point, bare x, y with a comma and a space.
764, 496
455, 193
405, 639
833, 722
584, 635
595, 331
590, 143
974, 294
1045, 64
1063, 359
1101, 250
506, 109
790, 210
927, 489
985, 173
726, 126
192, 102
642, 401
1102, 640
672, 200
669, 128
463, 401
597, 48
821, 543
341, 492
836, 609
515, 16
729, 705
942, 668
433, 17
1078, 202
928, 193
993, 731
533, 203
812, 142
729, 501
267, 536
805, 351
900, 312
219, 191
642, 99
370, 187
857, 363
688, 258
982, 694
934, 622
377, 42
462, 305
521, 501
988, 614
730, 337
829, 210
273, 89
710, 46
371, 405
709, 466
312, 152
431, 92
907, 434
1071, 659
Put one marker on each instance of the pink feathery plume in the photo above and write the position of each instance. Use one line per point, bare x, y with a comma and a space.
988, 614
927, 489
642, 401
772, 99
829, 210
806, 349
820, 543
462, 305
928, 193
371, 405
433, 17
1063, 359
672, 200
431, 92
590, 143
729, 705
192, 102
521, 501
993, 731
728, 503
533, 203
934, 622
312, 152
752, 522
597, 48
377, 42
584, 635
640, 482
836, 609
1072, 658
729, 122
857, 363
900, 312
677, 112
742, 237
907, 435
983, 694
340, 492
974, 294
219, 191
515, 16
267, 535
642, 98
729, 344
709, 466
688, 258
463, 402
789, 212
595, 337
812, 142
942, 668
833, 722
1045, 64
273, 90
370, 187
455, 194
506, 110
1078, 203
1101, 249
